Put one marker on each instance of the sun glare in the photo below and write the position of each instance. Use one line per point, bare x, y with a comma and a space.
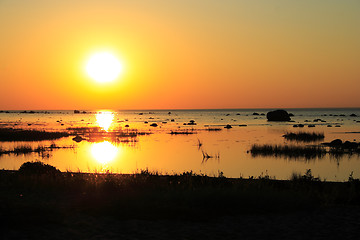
103, 67
104, 152
104, 119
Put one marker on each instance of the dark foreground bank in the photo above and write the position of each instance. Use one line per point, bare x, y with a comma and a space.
38, 201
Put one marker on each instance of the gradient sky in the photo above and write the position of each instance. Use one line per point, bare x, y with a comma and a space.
181, 54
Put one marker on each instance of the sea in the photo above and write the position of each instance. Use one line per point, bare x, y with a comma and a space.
213, 142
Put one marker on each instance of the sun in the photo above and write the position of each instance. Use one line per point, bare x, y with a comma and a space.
104, 67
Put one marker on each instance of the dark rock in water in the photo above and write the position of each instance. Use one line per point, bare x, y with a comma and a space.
350, 145
329, 125
84, 112
337, 126
169, 113
76, 111
173, 120
301, 125
295, 125
78, 138
255, 114
238, 114
146, 122
336, 143
153, 125
191, 122
353, 115
342, 115
126, 125
228, 126
291, 115
311, 125
242, 125
278, 115
262, 114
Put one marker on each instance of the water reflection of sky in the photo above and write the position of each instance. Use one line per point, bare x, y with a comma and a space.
168, 153
104, 152
105, 119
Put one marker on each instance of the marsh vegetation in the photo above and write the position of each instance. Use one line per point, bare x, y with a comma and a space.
304, 136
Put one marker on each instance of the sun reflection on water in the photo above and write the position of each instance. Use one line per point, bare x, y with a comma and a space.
105, 119
104, 152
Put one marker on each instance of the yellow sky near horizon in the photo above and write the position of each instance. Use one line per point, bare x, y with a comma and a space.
181, 54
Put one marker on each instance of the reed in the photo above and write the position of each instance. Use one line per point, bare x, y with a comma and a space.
183, 132
11, 134
290, 151
304, 136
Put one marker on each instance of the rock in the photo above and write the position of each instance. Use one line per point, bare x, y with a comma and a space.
291, 115
191, 122
126, 125
153, 125
329, 125
242, 125
353, 115
278, 115
350, 145
78, 138
311, 125
228, 126
255, 114
301, 125
76, 111
336, 143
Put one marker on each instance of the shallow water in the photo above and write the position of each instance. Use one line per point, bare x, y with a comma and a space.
166, 153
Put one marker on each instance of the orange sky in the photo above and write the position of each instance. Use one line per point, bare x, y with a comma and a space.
181, 54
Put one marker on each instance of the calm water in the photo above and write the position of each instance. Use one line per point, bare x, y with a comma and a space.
166, 153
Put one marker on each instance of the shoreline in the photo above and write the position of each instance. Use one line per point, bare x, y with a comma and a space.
146, 205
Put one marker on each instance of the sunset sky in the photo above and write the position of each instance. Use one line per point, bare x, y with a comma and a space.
181, 54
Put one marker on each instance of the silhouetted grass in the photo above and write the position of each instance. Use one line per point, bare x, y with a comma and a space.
27, 149
11, 134
182, 132
213, 129
39, 191
96, 134
307, 152
304, 136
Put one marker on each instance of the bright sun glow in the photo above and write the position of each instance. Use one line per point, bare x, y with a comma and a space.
105, 119
104, 152
103, 67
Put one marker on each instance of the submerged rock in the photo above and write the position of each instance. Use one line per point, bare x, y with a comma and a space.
278, 115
